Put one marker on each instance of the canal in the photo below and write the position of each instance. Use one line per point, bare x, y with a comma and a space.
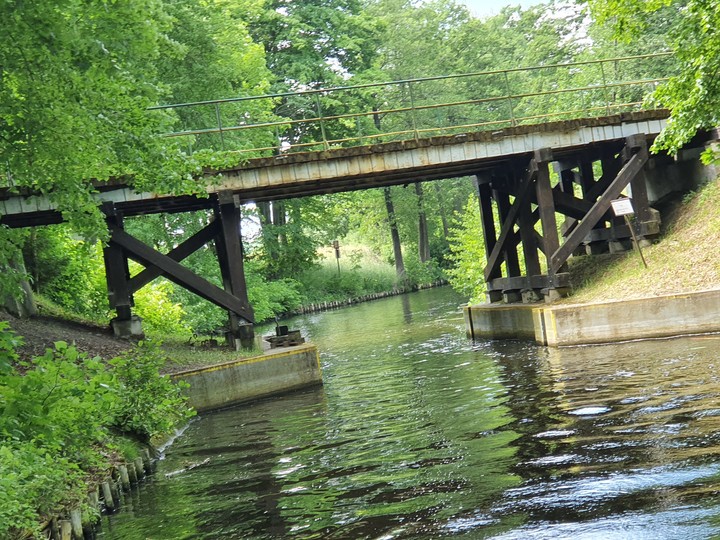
420, 433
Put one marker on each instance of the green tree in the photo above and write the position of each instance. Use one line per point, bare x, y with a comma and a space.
694, 37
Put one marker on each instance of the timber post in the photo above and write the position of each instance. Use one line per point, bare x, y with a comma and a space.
229, 249
117, 275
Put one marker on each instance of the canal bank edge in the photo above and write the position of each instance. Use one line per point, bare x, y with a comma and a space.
274, 372
603, 322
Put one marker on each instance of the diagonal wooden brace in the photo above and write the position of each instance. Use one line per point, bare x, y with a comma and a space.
181, 252
175, 272
633, 167
522, 198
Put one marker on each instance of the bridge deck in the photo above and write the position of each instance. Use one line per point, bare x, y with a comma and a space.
360, 167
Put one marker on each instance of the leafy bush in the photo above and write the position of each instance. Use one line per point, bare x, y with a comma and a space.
147, 403
419, 273
160, 315
57, 418
34, 482
62, 403
467, 252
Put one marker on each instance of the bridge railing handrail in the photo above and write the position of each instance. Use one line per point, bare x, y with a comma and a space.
408, 103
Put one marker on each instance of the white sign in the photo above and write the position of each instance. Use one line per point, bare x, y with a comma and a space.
622, 207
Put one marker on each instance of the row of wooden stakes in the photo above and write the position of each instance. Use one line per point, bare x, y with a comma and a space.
107, 496
324, 306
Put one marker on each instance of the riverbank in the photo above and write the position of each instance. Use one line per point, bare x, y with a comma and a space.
616, 298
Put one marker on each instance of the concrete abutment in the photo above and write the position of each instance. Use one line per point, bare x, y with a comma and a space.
606, 322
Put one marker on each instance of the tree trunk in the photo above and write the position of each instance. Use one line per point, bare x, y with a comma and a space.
397, 248
443, 212
423, 239
22, 303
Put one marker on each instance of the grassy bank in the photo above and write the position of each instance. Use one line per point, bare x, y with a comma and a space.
685, 258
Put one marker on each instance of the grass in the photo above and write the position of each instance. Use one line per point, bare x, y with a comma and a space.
361, 272
198, 352
685, 258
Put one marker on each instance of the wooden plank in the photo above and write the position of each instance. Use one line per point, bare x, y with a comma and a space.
571, 206
116, 269
177, 273
626, 174
487, 217
546, 206
517, 283
230, 253
181, 252
522, 199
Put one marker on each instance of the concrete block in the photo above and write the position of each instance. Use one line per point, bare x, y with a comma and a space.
129, 328
499, 321
661, 316
246, 379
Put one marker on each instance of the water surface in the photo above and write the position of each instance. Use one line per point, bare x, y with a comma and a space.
421, 433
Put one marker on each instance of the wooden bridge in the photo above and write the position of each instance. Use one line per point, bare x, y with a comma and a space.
596, 160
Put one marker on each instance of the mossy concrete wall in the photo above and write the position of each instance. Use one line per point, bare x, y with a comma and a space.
275, 372
558, 325
500, 321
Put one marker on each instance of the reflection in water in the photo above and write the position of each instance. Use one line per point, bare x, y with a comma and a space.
419, 433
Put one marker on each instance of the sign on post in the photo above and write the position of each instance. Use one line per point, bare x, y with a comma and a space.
623, 207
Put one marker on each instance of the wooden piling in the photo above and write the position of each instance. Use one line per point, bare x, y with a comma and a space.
76, 523
65, 529
107, 496
139, 468
132, 473
115, 490
124, 477
146, 460
94, 499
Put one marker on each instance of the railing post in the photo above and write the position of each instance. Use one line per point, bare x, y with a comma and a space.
509, 98
412, 110
322, 121
220, 127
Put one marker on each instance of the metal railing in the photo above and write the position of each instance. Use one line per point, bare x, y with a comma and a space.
410, 109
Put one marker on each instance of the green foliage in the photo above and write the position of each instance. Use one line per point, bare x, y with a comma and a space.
67, 271
694, 36
148, 403
467, 252
62, 403
56, 422
360, 274
33, 483
160, 314
419, 273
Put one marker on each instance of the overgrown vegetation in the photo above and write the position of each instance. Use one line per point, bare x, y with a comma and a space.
62, 419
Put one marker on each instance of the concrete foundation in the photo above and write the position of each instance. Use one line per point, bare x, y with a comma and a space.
276, 372
500, 321
559, 325
128, 328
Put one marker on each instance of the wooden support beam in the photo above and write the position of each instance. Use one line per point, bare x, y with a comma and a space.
626, 174
550, 241
230, 257
522, 199
638, 186
510, 253
177, 273
181, 252
117, 272
487, 218
528, 282
569, 205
